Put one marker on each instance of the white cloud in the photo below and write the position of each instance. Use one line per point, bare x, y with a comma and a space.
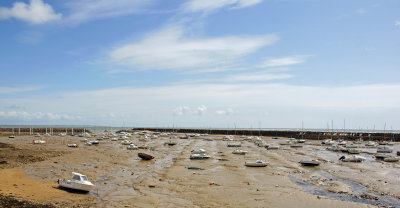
23, 115
226, 112
36, 12
211, 5
283, 61
10, 90
201, 110
397, 23
85, 10
170, 49
181, 110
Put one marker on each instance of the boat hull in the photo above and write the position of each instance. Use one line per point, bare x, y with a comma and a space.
75, 186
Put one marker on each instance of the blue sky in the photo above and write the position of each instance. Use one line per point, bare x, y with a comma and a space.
203, 63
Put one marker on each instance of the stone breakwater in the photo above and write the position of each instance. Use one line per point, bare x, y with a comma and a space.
298, 134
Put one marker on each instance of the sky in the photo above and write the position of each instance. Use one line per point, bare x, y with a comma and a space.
201, 63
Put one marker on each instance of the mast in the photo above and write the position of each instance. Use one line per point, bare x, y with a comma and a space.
332, 130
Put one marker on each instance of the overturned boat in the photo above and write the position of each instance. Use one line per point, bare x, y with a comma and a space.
78, 182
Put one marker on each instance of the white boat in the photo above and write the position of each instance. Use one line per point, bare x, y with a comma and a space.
198, 156
384, 149
84, 140
239, 152
198, 151
39, 142
171, 142
353, 151
72, 145
352, 158
370, 144
77, 182
271, 147
126, 142
114, 139
234, 144
391, 159
258, 163
11, 137
132, 147
37, 135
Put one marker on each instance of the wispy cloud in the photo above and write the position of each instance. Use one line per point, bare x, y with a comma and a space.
397, 23
188, 111
361, 11
211, 5
86, 10
36, 12
10, 90
23, 115
283, 61
171, 49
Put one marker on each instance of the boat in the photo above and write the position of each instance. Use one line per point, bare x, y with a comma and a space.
199, 156
95, 142
77, 182
239, 152
335, 148
296, 146
234, 144
171, 143
351, 159
384, 149
271, 147
309, 162
126, 142
37, 135
391, 159
328, 142
353, 151
198, 151
258, 163
381, 156
72, 145
114, 139
132, 147
11, 137
370, 144
398, 153
145, 156
301, 141
39, 142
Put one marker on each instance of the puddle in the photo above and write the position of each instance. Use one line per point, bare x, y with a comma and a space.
359, 193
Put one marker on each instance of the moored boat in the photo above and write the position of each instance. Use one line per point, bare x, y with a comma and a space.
199, 156
239, 152
258, 163
309, 162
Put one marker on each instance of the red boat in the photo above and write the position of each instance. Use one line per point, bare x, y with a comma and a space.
398, 153
145, 156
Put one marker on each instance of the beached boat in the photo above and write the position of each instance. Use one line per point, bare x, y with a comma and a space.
145, 156
171, 143
301, 141
37, 135
77, 182
272, 147
95, 142
126, 142
72, 145
309, 162
353, 151
114, 139
391, 159
11, 137
39, 142
199, 156
198, 151
398, 153
351, 158
381, 156
239, 152
370, 144
132, 147
234, 144
296, 146
335, 148
258, 163
384, 149
328, 142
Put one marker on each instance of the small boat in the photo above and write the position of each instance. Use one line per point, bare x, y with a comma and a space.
328, 142
271, 147
234, 144
77, 182
258, 163
239, 152
132, 147
353, 151
335, 148
171, 143
72, 145
301, 141
384, 149
84, 140
126, 142
39, 142
342, 143
391, 159
199, 156
37, 135
309, 162
114, 139
370, 144
95, 142
145, 156
11, 137
398, 153
352, 159
296, 146
381, 156
193, 167
198, 151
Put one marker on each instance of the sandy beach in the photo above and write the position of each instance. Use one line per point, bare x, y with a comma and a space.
30, 171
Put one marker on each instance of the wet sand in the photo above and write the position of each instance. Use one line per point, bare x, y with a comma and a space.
123, 180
